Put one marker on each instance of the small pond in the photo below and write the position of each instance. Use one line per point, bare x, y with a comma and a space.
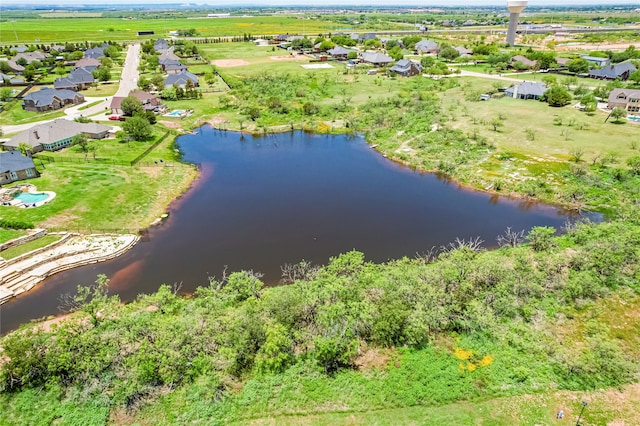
262, 202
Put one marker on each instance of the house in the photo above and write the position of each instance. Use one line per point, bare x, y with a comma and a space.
10, 80
168, 56
597, 61
376, 58
160, 44
629, 99
30, 56
526, 90
180, 79
95, 52
406, 68
15, 166
20, 49
426, 47
16, 68
174, 68
57, 47
339, 52
89, 64
47, 99
463, 51
620, 71
149, 102
55, 135
562, 62
524, 60
78, 79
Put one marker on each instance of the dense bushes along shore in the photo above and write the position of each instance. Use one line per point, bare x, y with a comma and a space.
482, 316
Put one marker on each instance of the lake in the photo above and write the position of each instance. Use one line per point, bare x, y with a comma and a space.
261, 202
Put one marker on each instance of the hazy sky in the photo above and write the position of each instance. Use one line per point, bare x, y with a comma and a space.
423, 3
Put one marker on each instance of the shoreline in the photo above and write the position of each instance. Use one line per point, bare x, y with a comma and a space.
21, 274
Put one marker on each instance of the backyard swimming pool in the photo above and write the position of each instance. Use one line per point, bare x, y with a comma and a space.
633, 118
175, 113
31, 197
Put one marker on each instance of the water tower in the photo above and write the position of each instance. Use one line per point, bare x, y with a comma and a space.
515, 7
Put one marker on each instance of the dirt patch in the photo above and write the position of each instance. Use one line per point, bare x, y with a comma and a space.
170, 124
374, 358
289, 58
229, 63
597, 46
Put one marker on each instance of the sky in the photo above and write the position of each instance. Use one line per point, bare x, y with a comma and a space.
422, 3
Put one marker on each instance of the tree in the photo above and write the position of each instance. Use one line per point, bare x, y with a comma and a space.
82, 141
578, 65
589, 102
111, 52
396, 53
131, 105
144, 83
496, 122
557, 96
618, 114
158, 81
352, 55
106, 62
5, 93
22, 62
25, 149
449, 53
102, 73
137, 128
635, 77
29, 73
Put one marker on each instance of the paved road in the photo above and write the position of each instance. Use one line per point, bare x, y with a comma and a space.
128, 82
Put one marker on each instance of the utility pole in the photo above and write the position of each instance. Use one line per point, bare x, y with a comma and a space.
584, 404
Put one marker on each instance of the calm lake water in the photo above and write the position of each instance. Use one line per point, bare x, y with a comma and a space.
265, 201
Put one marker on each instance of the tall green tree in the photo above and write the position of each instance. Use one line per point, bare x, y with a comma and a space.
137, 128
131, 105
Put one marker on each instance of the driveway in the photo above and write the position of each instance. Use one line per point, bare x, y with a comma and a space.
128, 82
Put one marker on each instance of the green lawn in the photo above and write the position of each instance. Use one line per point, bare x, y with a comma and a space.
9, 234
101, 196
30, 246
14, 114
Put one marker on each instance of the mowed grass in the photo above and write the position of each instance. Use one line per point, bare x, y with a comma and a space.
93, 196
60, 29
30, 246
9, 234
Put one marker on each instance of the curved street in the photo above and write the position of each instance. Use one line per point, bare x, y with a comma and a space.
127, 83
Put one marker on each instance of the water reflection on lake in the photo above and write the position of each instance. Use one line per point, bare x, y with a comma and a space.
264, 201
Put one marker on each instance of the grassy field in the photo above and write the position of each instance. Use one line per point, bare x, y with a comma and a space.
14, 114
101, 196
10, 234
30, 246
68, 29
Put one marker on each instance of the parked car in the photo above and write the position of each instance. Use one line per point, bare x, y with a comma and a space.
114, 118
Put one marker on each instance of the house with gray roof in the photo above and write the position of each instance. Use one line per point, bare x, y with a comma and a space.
406, 68
426, 47
376, 58
20, 49
160, 44
168, 56
94, 52
463, 51
180, 79
57, 47
16, 68
149, 102
30, 56
88, 64
339, 52
526, 90
78, 79
47, 99
174, 68
55, 135
628, 99
14, 167
524, 60
620, 71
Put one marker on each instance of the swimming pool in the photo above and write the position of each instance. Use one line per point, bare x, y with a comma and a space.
31, 197
175, 113
633, 118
